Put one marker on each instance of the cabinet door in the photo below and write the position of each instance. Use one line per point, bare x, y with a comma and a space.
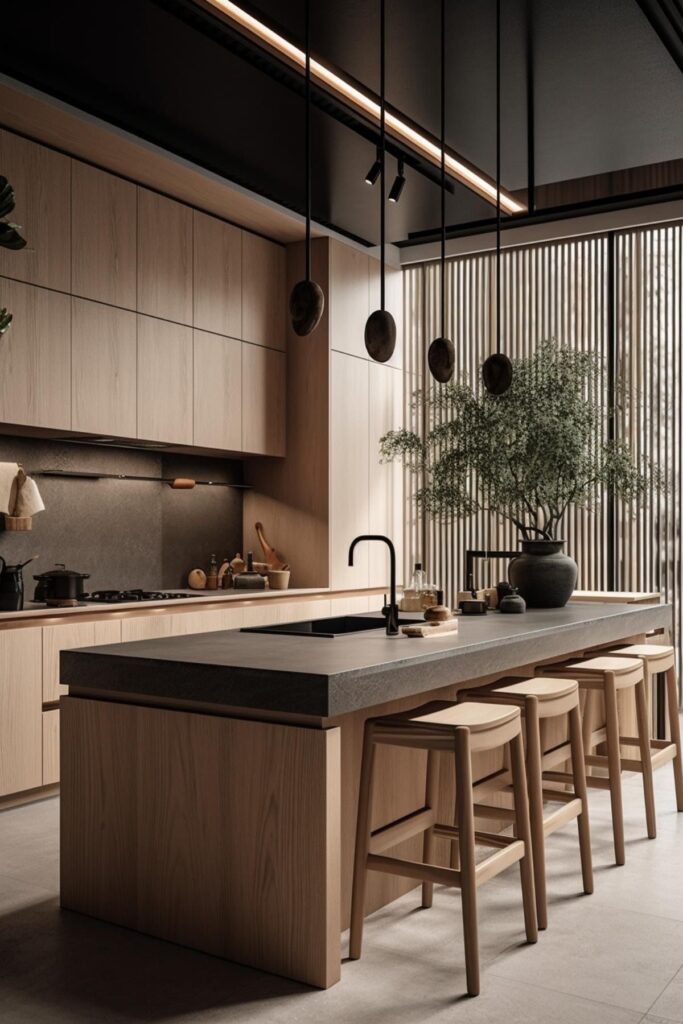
164, 381
164, 257
104, 241
217, 392
67, 637
349, 298
50, 747
349, 435
263, 400
264, 302
35, 357
148, 627
300, 611
393, 302
209, 621
386, 502
103, 369
40, 179
217, 250
21, 739
355, 605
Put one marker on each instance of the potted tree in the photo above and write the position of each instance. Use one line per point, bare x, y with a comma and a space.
526, 455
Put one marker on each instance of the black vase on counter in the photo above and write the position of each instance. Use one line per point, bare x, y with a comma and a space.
543, 574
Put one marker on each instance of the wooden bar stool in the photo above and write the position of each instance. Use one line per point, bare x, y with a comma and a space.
460, 730
541, 699
659, 659
607, 675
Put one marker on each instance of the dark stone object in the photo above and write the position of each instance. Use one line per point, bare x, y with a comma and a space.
513, 603
380, 335
306, 306
497, 374
503, 588
543, 574
441, 358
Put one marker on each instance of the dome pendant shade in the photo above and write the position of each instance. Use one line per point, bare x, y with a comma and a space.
380, 335
441, 359
497, 374
306, 307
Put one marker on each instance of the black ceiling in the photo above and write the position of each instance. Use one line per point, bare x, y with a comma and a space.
608, 93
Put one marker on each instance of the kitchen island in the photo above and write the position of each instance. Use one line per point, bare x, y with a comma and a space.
209, 782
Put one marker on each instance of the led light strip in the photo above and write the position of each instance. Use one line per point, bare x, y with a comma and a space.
473, 180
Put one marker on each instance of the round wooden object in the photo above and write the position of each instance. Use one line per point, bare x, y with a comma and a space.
306, 305
441, 358
380, 335
497, 374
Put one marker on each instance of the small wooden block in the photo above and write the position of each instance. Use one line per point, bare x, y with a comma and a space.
431, 628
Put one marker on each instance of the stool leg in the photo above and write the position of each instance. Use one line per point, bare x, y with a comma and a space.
526, 866
468, 885
646, 759
588, 723
675, 728
581, 790
535, 788
363, 827
614, 768
431, 793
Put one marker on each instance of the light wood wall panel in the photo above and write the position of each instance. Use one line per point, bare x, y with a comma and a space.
217, 391
217, 280
263, 400
164, 257
264, 301
21, 730
386, 506
349, 298
103, 369
104, 232
165, 392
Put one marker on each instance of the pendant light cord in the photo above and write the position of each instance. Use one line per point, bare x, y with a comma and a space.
308, 138
498, 330
382, 136
443, 168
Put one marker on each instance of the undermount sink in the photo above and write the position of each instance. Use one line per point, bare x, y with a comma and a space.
338, 625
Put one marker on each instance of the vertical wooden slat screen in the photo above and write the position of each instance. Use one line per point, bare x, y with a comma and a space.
562, 290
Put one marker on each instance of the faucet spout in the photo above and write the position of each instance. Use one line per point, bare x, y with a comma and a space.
390, 610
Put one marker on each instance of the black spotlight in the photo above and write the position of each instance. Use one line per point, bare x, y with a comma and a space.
399, 183
374, 172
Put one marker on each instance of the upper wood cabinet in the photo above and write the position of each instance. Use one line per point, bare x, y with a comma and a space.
217, 276
263, 400
264, 302
103, 369
164, 392
21, 726
393, 302
104, 223
217, 392
35, 357
41, 182
349, 298
164, 257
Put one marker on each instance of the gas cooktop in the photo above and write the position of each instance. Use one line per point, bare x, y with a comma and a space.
121, 596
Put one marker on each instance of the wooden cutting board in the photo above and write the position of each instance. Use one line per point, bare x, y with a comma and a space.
423, 629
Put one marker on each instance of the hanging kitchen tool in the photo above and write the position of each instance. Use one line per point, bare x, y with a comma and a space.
441, 355
307, 301
497, 369
380, 328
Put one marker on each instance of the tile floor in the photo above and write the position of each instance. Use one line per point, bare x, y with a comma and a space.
612, 958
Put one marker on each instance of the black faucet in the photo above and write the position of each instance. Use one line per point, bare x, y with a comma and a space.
390, 611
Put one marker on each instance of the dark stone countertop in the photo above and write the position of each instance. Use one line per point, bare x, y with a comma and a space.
325, 677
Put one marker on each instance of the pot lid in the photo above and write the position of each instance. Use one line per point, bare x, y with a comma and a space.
61, 572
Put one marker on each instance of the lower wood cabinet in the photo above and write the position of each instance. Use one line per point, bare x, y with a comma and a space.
164, 381
21, 738
67, 637
50, 747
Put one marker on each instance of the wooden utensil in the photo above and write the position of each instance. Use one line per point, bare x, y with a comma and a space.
430, 628
275, 559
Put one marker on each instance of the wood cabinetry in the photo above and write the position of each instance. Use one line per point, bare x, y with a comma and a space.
35, 357
164, 257
67, 637
50, 747
263, 400
217, 392
217, 290
103, 369
40, 178
104, 226
264, 302
21, 738
164, 392
349, 298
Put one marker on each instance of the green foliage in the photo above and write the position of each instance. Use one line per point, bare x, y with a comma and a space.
527, 454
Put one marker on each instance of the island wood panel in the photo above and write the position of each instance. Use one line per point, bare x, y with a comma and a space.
103, 369
21, 739
217, 401
348, 295
104, 231
386, 504
50, 747
217, 287
264, 385
35, 357
349, 465
164, 257
215, 833
67, 637
164, 392
264, 301
41, 180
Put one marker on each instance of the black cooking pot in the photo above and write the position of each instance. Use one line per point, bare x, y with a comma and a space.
11, 587
60, 586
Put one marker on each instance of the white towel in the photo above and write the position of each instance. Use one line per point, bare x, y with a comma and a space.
29, 501
8, 472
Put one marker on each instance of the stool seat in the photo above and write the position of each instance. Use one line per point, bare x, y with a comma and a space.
446, 715
542, 687
591, 671
647, 652
433, 726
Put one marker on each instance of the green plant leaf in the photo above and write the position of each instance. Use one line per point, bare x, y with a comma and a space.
5, 320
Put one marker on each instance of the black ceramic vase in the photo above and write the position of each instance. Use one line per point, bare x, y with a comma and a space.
543, 574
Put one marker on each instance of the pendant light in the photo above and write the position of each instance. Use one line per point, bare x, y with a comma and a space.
307, 302
497, 369
380, 328
441, 355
